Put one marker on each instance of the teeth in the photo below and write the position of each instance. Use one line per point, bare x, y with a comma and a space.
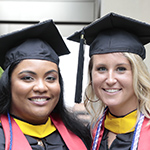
38, 100
112, 91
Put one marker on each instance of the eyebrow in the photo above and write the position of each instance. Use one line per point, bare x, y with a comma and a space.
51, 71
28, 71
117, 64
123, 64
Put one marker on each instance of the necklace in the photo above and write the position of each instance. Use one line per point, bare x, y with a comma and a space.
135, 136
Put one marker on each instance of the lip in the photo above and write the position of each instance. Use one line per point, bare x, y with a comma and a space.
39, 100
112, 90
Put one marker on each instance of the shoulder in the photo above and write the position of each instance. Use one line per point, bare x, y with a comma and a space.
2, 138
145, 129
145, 135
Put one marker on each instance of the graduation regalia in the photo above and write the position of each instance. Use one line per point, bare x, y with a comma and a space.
41, 41
143, 143
72, 141
114, 33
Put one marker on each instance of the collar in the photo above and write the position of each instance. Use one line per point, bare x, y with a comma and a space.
121, 125
39, 131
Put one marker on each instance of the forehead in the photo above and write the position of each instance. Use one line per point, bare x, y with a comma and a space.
110, 58
35, 64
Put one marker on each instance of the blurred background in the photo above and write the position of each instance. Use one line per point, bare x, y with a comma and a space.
69, 16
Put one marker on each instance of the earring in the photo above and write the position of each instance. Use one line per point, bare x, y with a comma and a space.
87, 96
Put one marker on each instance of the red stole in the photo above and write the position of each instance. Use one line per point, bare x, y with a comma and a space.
144, 138
19, 140
72, 141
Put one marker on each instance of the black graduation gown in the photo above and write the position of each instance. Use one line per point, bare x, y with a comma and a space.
51, 142
122, 141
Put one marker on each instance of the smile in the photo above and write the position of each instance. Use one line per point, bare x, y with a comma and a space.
112, 90
38, 99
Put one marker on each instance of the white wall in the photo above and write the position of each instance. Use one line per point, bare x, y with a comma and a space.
38, 10
35, 10
68, 66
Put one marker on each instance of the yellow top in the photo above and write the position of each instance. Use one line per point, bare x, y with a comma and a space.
39, 131
121, 125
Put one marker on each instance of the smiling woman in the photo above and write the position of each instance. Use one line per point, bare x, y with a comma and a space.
32, 111
118, 93
38, 90
112, 82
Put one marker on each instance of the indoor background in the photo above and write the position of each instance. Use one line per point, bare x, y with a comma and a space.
69, 16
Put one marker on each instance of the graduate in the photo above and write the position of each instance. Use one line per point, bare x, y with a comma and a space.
118, 91
32, 111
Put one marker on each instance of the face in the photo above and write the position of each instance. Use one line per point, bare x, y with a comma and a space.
35, 90
112, 81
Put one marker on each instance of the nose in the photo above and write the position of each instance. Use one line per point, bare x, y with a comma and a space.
40, 86
111, 78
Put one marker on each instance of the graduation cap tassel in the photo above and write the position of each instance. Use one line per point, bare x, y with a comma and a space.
79, 77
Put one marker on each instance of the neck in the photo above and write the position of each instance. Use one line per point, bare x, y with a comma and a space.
30, 122
121, 116
122, 111
125, 107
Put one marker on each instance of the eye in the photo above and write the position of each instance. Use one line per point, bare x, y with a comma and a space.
27, 78
50, 78
102, 69
121, 69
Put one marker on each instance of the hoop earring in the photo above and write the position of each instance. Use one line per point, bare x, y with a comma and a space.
87, 96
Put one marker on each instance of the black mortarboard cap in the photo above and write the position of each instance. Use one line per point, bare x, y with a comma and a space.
39, 41
112, 33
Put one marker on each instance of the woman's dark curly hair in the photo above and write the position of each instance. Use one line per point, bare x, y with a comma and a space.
69, 119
